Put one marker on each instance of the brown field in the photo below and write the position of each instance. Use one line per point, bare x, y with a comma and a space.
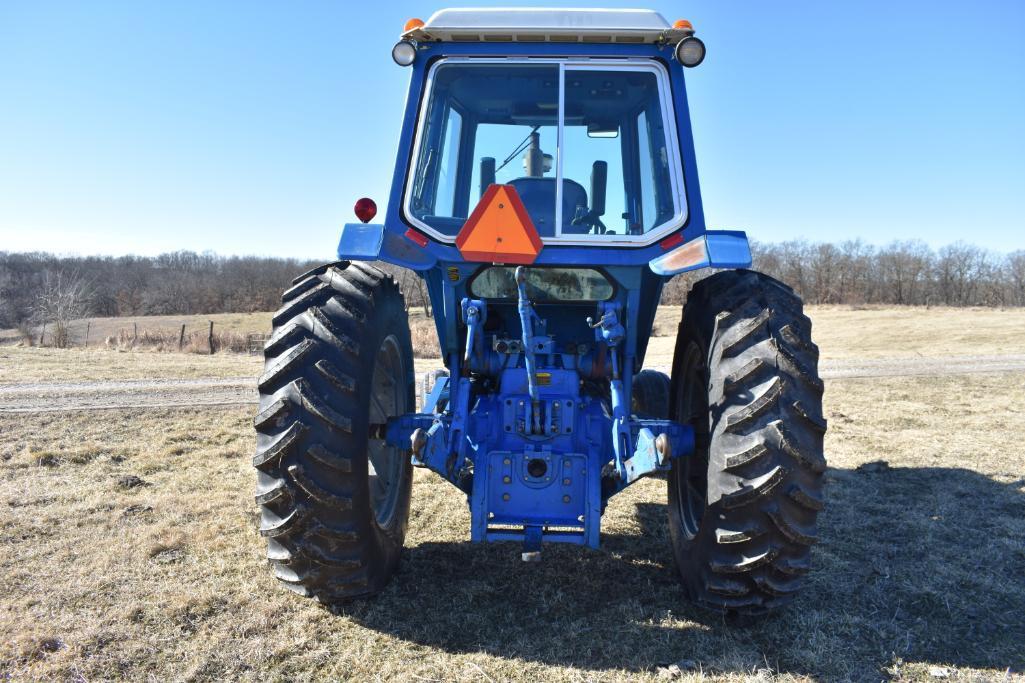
129, 549
850, 332
20, 364
842, 332
232, 332
102, 328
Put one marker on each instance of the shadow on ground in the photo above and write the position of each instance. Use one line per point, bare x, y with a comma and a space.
915, 565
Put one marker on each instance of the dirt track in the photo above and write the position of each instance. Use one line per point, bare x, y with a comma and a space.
40, 397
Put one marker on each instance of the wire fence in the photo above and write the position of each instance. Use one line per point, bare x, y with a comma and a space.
200, 338
192, 336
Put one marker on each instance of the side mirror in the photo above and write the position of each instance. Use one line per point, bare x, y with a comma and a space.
599, 180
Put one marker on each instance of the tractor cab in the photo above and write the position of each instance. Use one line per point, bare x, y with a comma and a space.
581, 114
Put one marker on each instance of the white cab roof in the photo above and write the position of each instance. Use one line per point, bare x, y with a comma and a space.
547, 25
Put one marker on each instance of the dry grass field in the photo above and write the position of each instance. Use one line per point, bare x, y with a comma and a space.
842, 332
128, 549
849, 333
102, 328
163, 333
20, 364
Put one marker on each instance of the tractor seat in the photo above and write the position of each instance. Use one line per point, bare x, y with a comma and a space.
538, 196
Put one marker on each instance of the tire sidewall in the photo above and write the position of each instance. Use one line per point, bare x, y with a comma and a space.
695, 331
388, 318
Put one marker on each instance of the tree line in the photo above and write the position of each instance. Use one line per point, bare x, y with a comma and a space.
36, 287
900, 273
33, 285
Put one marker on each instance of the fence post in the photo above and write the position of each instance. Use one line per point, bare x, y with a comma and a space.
181, 338
87, 326
135, 333
41, 333
210, 337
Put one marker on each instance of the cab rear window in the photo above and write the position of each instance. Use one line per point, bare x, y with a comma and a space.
618, 178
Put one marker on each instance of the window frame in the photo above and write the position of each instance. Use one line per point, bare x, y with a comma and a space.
674, 160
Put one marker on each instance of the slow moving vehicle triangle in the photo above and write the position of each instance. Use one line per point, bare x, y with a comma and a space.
499, 230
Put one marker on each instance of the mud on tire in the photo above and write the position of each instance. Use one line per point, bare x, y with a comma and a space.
334, 501
742, 509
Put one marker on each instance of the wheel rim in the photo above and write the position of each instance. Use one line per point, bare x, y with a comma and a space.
387, 399
692, 475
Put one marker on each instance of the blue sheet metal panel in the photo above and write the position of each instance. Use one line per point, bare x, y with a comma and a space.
447, 306
728, 249
371, 242
695, 224
558, 497
361, 241
552, 254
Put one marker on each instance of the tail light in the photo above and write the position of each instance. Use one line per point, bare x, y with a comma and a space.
365, 209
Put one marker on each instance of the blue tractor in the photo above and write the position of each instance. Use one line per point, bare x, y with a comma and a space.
545, 190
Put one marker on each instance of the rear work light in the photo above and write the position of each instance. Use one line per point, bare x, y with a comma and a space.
690, 51
404, 52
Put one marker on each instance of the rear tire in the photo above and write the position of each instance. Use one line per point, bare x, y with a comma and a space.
651, 395
334, 500
742, 508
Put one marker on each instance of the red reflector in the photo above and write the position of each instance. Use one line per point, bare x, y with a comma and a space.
672, 241
365, 209
417, 237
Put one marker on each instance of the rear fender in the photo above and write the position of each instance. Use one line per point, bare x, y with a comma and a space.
371, 242
713, 249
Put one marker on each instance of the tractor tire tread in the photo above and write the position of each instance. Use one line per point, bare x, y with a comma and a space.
765, 444
323, 540
340, 265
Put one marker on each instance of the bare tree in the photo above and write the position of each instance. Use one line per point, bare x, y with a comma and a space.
7, 312
413, 287
1014, 276
824, 263
959, 269
854, 281
904, 267
64, 297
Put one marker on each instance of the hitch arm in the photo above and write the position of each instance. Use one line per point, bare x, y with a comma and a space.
611, 332
527, 317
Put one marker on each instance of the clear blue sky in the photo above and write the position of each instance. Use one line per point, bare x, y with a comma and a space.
251, 127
